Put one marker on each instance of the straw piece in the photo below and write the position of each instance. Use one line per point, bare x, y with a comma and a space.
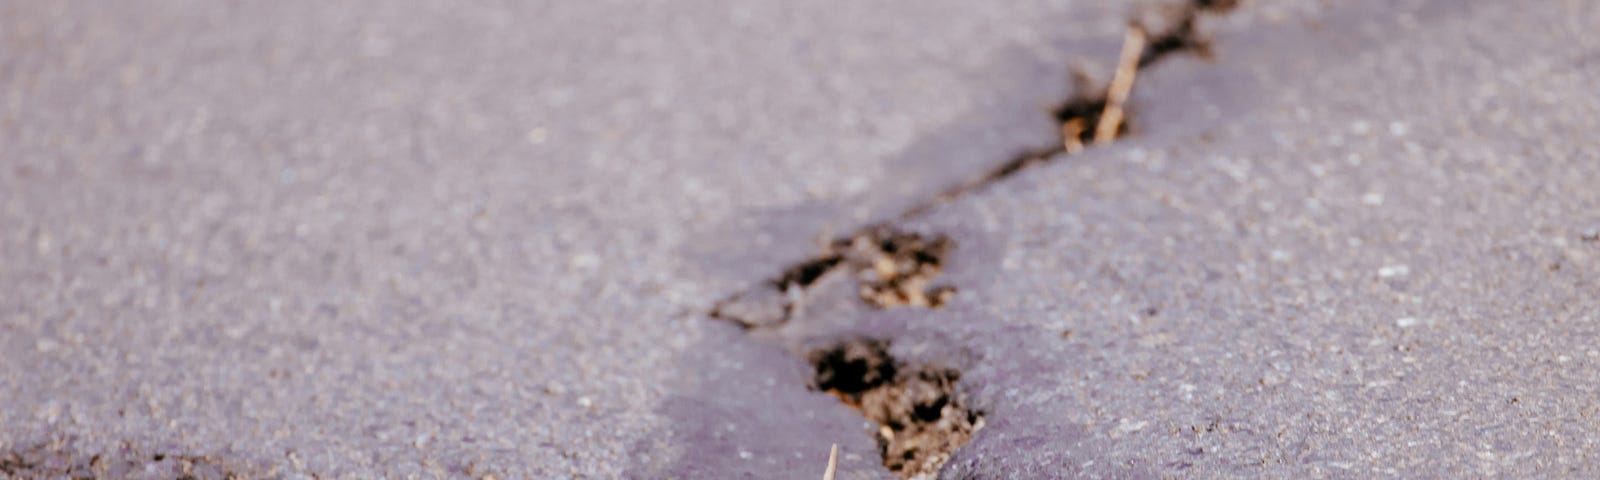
1121, 85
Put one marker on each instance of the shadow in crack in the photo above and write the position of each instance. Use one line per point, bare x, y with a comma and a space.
1012, 119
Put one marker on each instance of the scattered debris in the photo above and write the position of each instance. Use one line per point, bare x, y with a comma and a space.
1095, 114
921, 417
893, 269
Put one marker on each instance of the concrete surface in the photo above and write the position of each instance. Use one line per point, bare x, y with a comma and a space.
1375, 266
366, 239
361, 239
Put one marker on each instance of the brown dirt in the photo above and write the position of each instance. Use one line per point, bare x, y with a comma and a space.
921, 417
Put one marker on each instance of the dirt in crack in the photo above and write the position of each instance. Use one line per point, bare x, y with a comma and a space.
922, 418
1177, 30
1098, 112
921, 415
895, 268
892, 268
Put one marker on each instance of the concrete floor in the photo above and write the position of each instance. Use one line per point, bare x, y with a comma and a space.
362, 239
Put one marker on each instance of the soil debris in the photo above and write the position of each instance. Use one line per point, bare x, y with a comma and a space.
893, 268
921, 416
891, 271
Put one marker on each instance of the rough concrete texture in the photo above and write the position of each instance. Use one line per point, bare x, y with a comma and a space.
364, 239
369, 238
1373, 266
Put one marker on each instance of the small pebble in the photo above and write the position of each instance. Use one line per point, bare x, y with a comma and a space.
1591, 235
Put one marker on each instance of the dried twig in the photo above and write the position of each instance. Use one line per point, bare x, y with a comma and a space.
833, 463
1121, 85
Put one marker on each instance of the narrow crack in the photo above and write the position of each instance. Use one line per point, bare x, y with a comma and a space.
778, 300
1179, 31
921, 416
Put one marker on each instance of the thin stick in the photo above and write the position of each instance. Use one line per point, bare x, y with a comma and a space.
1121, 86
833, 463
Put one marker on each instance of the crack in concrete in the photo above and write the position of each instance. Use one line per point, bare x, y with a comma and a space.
921, 416
892, 268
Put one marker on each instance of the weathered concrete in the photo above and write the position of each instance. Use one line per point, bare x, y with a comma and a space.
363, 239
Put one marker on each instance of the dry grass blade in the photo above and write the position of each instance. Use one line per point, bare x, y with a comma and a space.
833, 463
1121, 86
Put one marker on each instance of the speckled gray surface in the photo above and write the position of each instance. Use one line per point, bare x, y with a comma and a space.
361, 239
1374, 266
430, 239
1369, 261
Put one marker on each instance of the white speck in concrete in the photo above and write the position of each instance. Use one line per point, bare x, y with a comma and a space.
1398, 129
1394, 271
584, 261
1372, 198
43, 243
1126, 426
1360, 127
1406, 322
